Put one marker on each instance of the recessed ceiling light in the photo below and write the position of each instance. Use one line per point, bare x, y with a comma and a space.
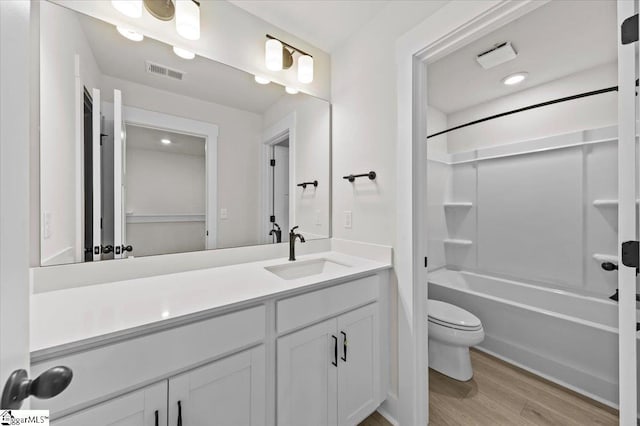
183, 53
516, 78
130, 34
261, 80
291, 90
166, 141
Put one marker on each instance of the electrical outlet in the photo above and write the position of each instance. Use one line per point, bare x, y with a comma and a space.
224, 214
46, 225
348, 219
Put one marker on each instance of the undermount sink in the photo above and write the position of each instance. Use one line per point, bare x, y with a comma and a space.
305, 268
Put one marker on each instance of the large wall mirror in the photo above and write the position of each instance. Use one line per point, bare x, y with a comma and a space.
144, 153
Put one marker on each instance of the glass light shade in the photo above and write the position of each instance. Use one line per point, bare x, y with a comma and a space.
188, 19
130, 8
291, 90
130, 34
305, 69
273, 55
183, 53
261, 80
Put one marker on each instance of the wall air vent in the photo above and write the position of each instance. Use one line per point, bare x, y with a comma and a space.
498, 54
164, 71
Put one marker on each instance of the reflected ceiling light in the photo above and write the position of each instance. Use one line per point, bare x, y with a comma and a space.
273, 54
130, 8
165, 141
183, 53
291, 90
130, 34
305, 69
188, 19
261, 80
516, 78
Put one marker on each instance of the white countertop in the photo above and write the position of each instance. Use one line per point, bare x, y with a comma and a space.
72, 317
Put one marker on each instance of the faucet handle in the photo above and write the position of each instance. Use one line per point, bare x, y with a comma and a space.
294, 229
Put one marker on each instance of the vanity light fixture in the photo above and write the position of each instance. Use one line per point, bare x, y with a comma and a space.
188, 19
514, 79
130, 34
130, 8
165, 141
261, 80
278, 55
183, 53
291, 90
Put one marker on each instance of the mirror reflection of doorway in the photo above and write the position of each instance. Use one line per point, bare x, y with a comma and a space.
280, 189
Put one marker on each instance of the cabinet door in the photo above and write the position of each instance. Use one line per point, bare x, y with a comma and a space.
307, 376
137, 408
228, 392
359, 364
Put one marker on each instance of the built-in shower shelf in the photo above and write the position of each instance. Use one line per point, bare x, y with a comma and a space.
463, 204
608, 203
605, 258
457, 242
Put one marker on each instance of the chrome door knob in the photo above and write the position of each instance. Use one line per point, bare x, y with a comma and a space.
47, 385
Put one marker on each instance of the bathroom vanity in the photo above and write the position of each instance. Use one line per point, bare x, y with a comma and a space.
260, 343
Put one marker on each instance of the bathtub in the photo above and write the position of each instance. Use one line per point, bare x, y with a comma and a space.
567, 338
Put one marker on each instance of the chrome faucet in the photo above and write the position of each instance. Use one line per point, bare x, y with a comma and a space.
292, 243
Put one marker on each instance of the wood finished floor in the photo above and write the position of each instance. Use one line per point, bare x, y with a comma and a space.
501, 394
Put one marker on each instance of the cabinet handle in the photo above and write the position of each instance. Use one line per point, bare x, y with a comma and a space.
344, 346
179, 413
335, 351
157, 421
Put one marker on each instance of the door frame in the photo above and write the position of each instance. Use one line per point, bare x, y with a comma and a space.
449, 28
285, 128
160, 121
17, 44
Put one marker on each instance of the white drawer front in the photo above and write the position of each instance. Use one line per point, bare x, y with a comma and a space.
111, 369
311, 307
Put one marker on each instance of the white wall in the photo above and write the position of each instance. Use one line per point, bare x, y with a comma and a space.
586, 113
61, 39
312, 159
239, 139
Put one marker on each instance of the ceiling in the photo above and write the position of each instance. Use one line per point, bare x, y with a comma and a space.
204, 79
555, 40
323, 23
148, 139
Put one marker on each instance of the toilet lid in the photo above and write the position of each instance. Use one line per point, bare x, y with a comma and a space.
452, 316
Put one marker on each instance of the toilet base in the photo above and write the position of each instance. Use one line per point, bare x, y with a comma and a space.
452, 361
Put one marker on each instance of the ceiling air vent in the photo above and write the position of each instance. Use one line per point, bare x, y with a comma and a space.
164, 71
498, 54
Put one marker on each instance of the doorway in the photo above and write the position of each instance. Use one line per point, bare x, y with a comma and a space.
280, 190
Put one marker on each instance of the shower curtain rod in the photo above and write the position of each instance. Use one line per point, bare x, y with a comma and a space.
547, 103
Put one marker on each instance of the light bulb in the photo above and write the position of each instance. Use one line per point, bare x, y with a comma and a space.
165, 141
183, 53
188, 19
130, 34
261, 80
305, 69
291, 90
273, 55
130, 8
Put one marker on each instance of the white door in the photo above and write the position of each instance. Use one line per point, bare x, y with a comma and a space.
97, 174
146, 407
119, 215
229, 392
307, 376
14, 187
627, 218
281, 189
359, 364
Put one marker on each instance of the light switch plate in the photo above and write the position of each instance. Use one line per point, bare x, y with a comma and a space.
46, 225
318, 217
348, 219
224, 214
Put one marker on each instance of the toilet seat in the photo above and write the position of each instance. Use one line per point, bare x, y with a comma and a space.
451, 316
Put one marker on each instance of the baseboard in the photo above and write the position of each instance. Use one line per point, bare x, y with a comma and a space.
389, 409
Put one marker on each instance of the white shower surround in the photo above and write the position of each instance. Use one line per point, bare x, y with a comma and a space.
569, 339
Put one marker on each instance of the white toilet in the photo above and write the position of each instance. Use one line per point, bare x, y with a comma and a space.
452, 330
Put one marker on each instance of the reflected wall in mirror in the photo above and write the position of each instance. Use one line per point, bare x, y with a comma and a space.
145, 153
